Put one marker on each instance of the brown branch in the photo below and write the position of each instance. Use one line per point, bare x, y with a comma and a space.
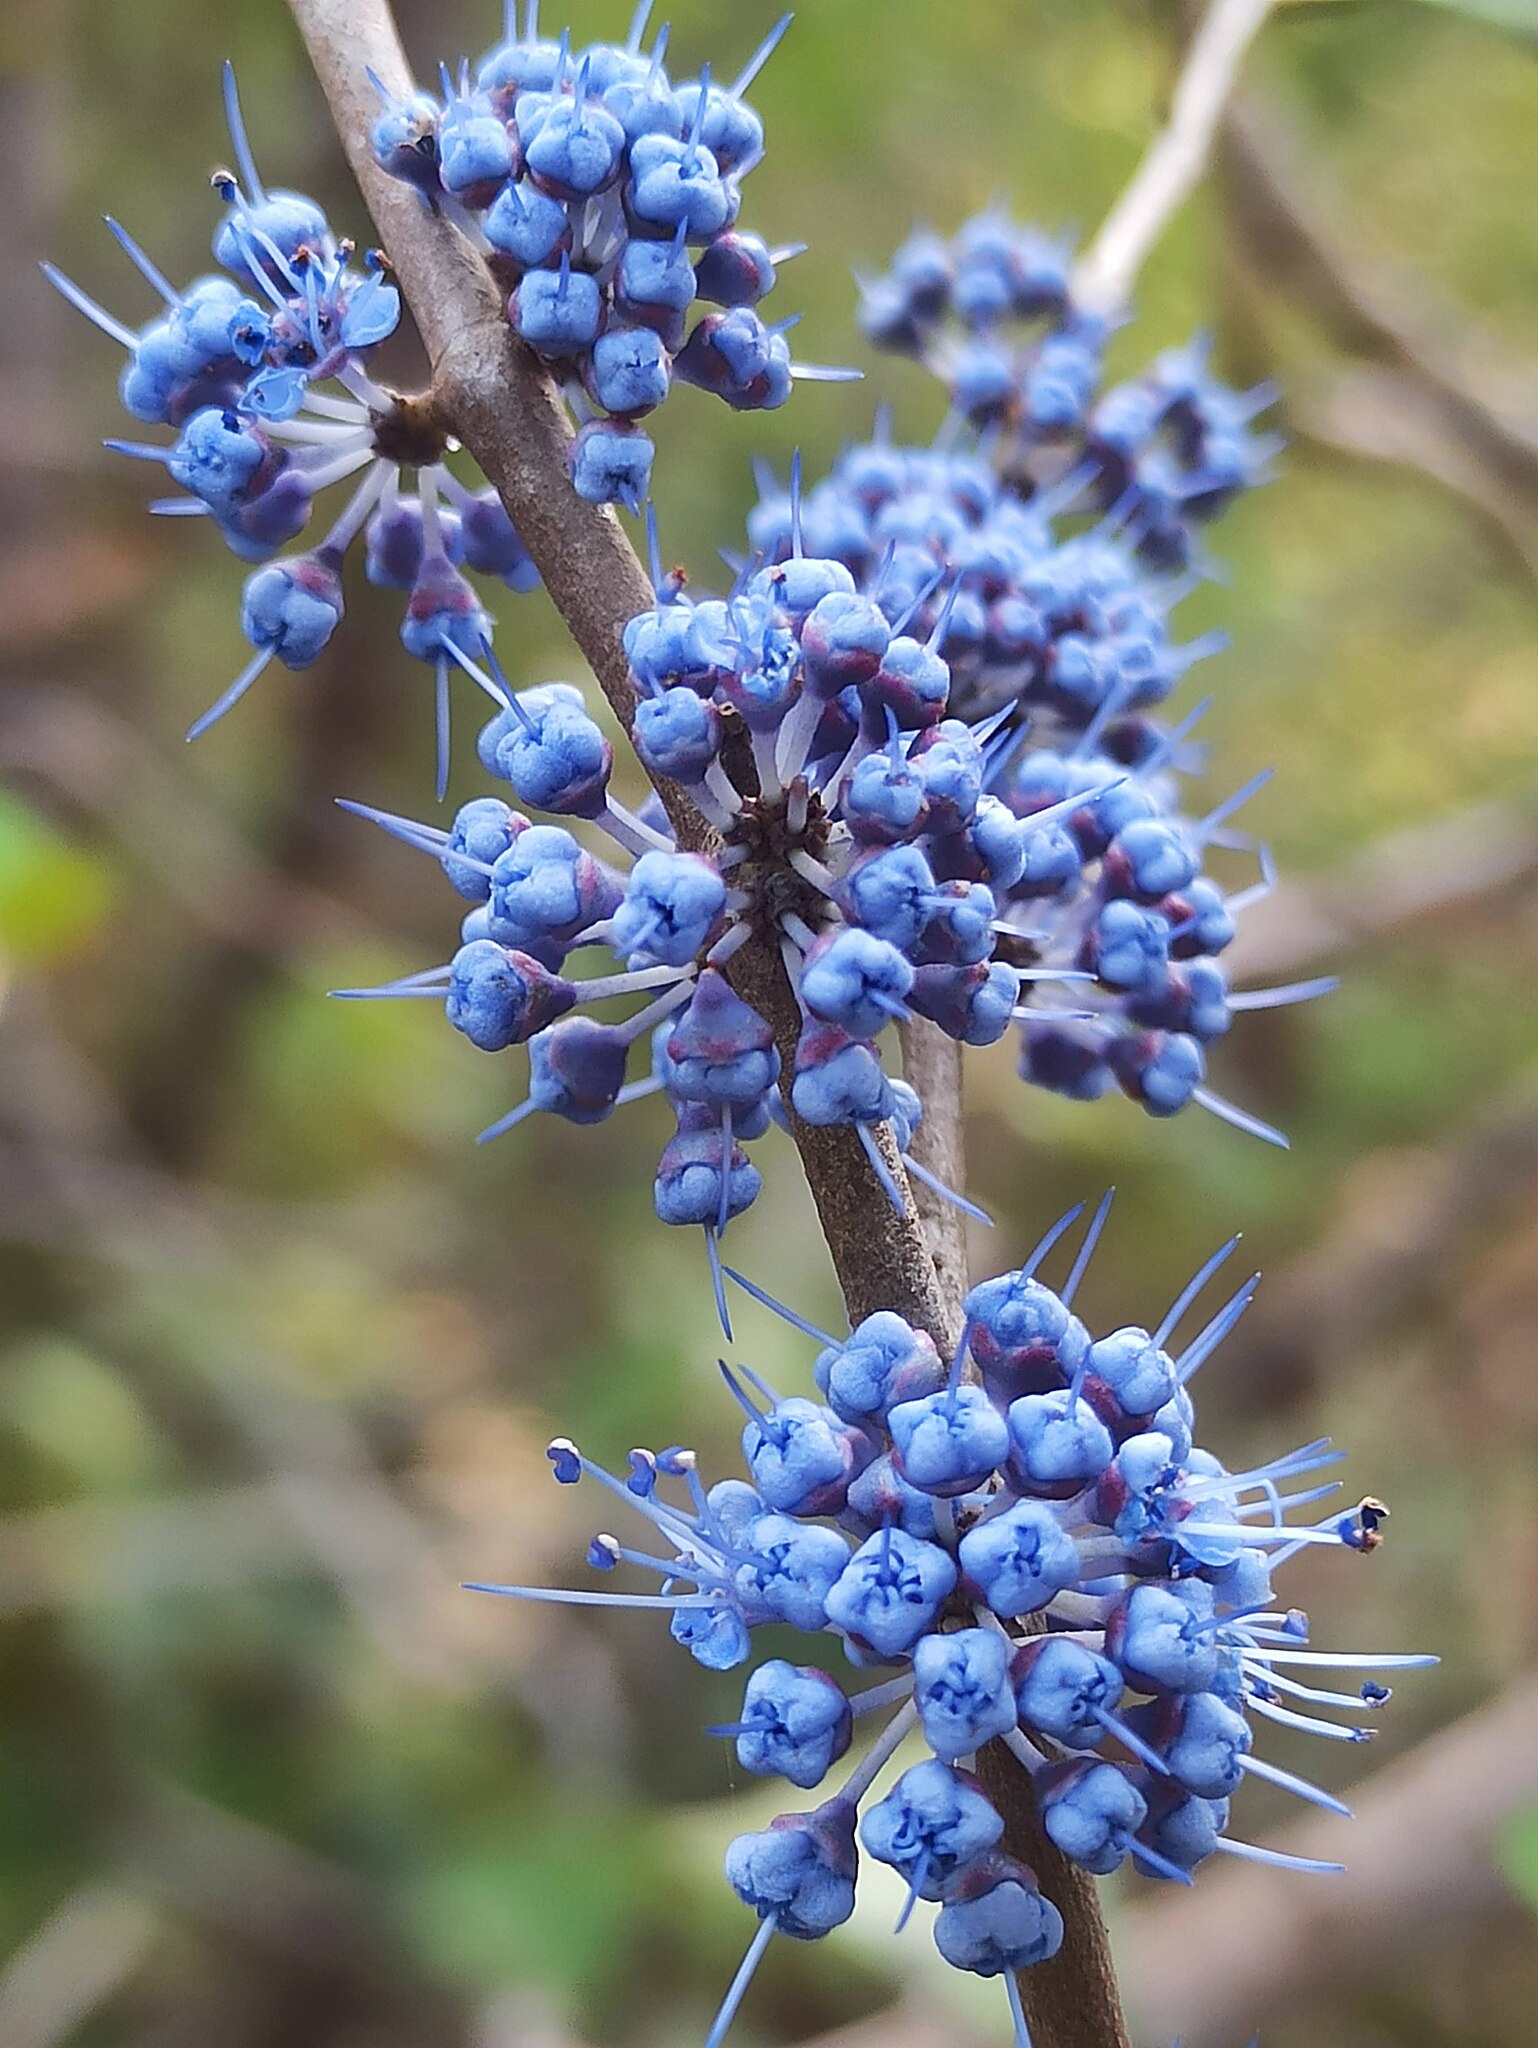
1386, 416
1251, 1943
1071, 2001
932, 1065
1289, 233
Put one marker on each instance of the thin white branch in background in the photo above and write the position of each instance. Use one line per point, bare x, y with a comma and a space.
72, 1964
1176, 158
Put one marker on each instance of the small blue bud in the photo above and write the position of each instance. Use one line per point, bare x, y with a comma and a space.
880, 1495
794, 1565
547, 887
1139, 1375
714, 1636
721, 1051
404, 141
801, 1457
1163, 1638
1061, 1689
292, 608
475, 152
736, 269
224, 459
934, 1820
557, 312
1091, 1811
628, 372
799, 1871
482, 831
1015, 1562
611, 464
1023, 1338
948, 1443
838, 1079
687, 1188
529, 228
1202, 1739
891, 1592
499, 998
796, 1723
673, 903
576, 150
995, 1919
554, 754
884, 1360
973, 1004
577, 1069
1059, 1444
674, 184
677, 734
890, 893
856, 981
962, 1689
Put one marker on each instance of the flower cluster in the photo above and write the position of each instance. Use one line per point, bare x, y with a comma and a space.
237, 366
1026, 863
993, 315
1044, 1558
1060, 651
606, 197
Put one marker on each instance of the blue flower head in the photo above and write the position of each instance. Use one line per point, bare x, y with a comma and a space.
1125, 1667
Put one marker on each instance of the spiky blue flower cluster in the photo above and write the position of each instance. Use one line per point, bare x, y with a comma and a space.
993, 314
1060, 652
1042, 1557
605, 196
238, 365
1027, 862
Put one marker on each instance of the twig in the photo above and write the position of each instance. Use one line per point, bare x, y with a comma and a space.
932, 1065
1420, 872
1388, 416
1175, 160
72, 1965
1282, 226
1252, 1942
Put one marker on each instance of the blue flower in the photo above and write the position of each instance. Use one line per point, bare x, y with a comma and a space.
962, 1690
795, 1723
934, 1821
798, 1872
890, 1592
995, 1919
264, 374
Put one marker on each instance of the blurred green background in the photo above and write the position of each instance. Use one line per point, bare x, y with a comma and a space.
279, 1348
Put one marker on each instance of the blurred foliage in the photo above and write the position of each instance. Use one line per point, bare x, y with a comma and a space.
280, 1347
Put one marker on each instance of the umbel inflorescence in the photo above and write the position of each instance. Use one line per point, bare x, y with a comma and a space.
605, 197
924, 725
1027, 1539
